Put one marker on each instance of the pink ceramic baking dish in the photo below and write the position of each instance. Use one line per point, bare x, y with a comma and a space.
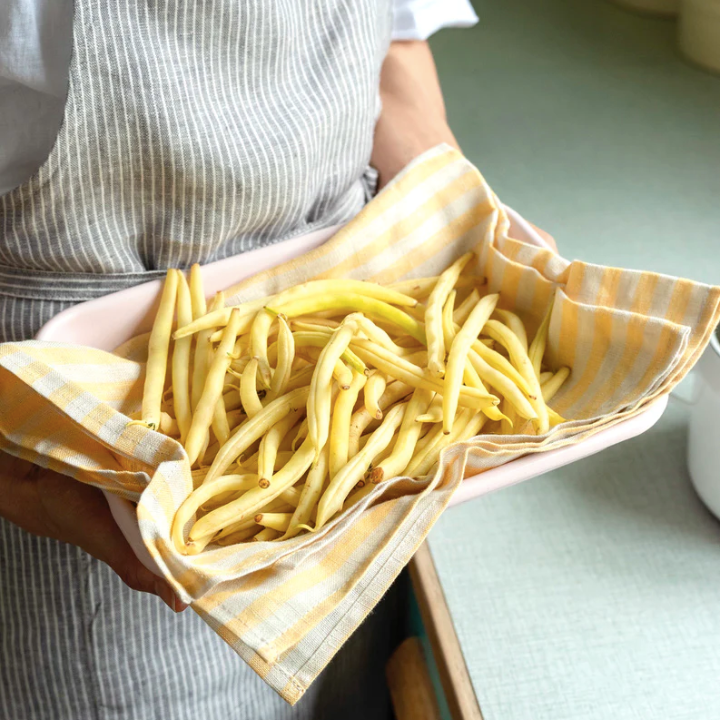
109, 321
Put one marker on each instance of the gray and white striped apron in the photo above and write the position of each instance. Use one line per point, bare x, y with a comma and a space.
193, 131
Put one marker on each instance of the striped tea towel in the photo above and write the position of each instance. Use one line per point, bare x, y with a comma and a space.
286, 607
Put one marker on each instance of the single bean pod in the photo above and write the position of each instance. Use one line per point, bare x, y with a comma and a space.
254, 428
158, 350
433, 314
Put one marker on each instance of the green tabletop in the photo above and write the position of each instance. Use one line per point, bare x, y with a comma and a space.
593, 591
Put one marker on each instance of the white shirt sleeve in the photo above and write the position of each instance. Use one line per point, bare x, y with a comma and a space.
419, 19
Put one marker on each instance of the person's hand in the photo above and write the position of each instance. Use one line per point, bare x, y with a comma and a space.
549, 239
45, 503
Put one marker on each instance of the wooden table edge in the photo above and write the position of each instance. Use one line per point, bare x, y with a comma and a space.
448, 655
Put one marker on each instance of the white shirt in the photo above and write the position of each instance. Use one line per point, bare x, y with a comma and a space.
35, 48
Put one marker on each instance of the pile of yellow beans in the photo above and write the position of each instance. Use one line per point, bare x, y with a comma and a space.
291, 408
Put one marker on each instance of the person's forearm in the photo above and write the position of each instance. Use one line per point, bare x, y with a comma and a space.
413, 116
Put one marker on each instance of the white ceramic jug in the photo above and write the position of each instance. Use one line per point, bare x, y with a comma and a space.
704, 439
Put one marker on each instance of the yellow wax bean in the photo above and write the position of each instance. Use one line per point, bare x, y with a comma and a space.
422, 287
259, 343
470, 375
220, 317
286, 356
507, 425
290, 495
471, 378
158, 350
300, 378
254, 428
461, 431
448, 326
266, 535
496, 361
395, 463
220, 423
239, 536
342, 374
314, 288
198, 497
457, 358
197, 293
202, 348
410, 374
504, 385
277, 505
212, 392
313, 323
255, 499
347, 477
460, 315
203, 449
374, 388
181, 360
248, 389
515, 324
519, 358
320, 397
434, 412
353, 302
362, 419
357, 496
310, 494
378, 335
340, 424
245, 482
169, 425
220, 420
300, 435
537, 347
274, 520
270, 444
433, 314
237, 367
556, 381
428, 442
218, 500
320, 340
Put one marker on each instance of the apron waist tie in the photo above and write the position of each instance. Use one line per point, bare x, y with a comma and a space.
68, 287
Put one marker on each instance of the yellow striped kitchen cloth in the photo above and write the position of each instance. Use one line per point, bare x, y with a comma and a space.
286, 607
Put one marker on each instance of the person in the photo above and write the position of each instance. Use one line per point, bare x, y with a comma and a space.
191, 131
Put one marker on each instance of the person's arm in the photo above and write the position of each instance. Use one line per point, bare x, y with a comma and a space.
50, 505
413, 117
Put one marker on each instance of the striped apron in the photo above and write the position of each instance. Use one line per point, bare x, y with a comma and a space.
193, 131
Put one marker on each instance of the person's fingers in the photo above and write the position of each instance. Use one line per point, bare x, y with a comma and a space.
45, 503
104, 540
549, 239
17, 498
137, 577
